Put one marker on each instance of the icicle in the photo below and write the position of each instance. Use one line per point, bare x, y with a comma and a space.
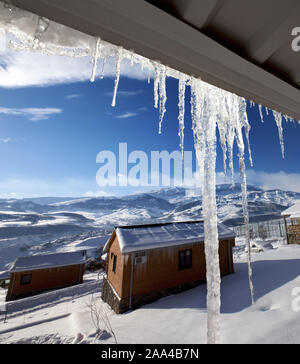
239, 137
103, 66
246, 125
118, 71
181, 106
261, 113
204, 126
95, 58
221, 122
155, 85
278, 120
267, 110
148, 76
41, 28
162, 96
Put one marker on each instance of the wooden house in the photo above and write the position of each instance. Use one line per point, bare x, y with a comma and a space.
147, 262
35, 274
292, 223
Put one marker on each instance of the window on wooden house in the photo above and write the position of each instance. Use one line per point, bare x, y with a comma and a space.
114, 263
25, 279
185, 259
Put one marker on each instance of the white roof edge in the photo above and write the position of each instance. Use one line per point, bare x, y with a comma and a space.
135, 248
44, 267
13, 269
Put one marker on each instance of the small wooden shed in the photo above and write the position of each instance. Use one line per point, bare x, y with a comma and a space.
292, 223
35, 274
146, 262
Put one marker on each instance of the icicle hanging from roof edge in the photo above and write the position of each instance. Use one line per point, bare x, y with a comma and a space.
162, 96
103, 67
240, 123
261, 113
156, 84
181, 105
203, 106
267, 110
222, 127
246, 125
96, 56
41, 28
118, 71
278, 120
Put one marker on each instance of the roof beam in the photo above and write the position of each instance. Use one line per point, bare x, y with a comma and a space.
199, 13
275, 33
131, 24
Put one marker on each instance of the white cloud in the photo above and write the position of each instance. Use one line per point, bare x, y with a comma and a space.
125, 93
34, 114
72, 96
126, 115
24, 69
38, 187
5, 140
277, 180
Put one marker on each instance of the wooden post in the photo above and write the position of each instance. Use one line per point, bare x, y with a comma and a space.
286, 230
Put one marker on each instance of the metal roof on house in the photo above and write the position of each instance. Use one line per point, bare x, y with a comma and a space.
293, 211
145, 237
244, 47
44, 261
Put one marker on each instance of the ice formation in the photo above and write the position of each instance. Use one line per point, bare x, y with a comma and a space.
261, 113
278, 120
211, 109
181, 107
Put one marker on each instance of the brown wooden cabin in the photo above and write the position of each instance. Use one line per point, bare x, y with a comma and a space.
146, 262
38, 273
292, 223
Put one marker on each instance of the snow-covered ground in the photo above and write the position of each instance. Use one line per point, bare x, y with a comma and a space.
64, 316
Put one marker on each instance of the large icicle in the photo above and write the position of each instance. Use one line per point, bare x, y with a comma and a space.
278, 120
240, 123
118, 71
246, 125
95, 58
155, 85
204, 126
181, 106
162, 96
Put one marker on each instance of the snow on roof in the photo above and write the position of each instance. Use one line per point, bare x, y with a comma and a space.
135, 238
43, 261
293, 210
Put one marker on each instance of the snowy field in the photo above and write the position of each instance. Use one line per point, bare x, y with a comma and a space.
64, 316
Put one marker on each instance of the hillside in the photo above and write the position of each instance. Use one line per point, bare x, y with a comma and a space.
52, 224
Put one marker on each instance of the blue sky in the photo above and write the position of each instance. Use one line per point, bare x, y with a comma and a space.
54, 122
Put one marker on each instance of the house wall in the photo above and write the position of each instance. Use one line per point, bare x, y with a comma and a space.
115, 278
44, 279
161, 270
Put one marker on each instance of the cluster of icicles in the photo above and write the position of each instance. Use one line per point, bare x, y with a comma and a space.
212, 109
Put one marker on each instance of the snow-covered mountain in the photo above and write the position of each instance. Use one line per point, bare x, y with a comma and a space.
57, 224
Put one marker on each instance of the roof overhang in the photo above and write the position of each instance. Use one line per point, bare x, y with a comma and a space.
159, 35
